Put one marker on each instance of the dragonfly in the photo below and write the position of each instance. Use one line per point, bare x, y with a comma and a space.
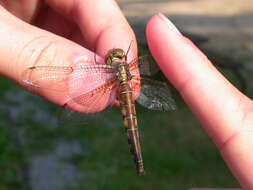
116, 82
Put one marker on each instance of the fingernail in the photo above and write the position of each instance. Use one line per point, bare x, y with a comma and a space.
171, 26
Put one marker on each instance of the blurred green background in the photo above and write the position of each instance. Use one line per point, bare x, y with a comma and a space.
38, 153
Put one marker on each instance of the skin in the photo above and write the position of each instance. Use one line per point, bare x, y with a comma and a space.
59, 32
224, 112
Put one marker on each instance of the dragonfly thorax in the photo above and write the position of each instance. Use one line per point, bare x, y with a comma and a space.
123, 72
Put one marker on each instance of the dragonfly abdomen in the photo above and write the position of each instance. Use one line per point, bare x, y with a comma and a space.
130, 123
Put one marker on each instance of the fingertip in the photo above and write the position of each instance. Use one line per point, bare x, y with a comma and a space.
173, 52
158, 18
118, 36
150, 25
103, 24
112, 31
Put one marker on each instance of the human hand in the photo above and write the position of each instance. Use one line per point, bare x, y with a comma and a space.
225, 113
60, 31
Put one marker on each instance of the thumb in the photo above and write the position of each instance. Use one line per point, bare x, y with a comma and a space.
23, 45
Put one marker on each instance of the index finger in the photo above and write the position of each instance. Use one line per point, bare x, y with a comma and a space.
101, 22
215, 101
225, 113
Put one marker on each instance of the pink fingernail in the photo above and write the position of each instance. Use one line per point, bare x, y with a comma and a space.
171, 26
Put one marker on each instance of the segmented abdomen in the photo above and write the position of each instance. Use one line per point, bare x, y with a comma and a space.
130, 123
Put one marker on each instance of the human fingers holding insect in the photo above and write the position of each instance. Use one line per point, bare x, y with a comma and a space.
59, 33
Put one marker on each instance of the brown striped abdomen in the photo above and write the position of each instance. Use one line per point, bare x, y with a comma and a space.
130, 123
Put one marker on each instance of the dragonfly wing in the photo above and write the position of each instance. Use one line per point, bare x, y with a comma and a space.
96, 100
86, 78
73, 118
146, 65
47, 77
89, 86
57, 78
156, 95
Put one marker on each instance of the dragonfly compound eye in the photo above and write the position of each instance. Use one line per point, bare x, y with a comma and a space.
114, 55
119, 53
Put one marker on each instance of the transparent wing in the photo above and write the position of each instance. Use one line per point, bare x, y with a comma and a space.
73, 118
146, 65
95, 100
48, 77
156, 95
57, 77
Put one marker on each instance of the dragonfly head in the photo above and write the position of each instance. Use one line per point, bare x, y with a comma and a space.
115, 55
